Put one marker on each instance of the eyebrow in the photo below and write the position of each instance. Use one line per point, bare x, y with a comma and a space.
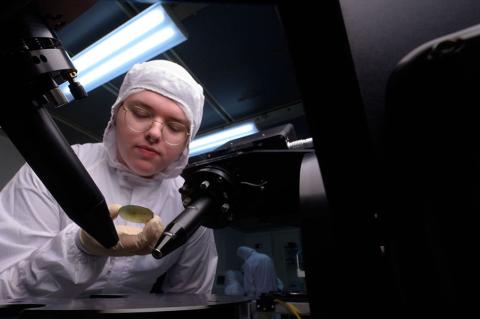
170, 118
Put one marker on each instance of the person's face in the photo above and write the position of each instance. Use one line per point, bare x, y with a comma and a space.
146, 153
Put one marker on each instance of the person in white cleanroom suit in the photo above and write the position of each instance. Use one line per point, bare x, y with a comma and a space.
259, 275
145, 148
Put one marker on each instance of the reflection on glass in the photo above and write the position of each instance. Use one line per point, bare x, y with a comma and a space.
282, 245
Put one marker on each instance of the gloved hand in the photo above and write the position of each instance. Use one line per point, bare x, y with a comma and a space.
132, 240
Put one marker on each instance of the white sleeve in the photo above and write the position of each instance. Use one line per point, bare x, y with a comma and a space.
195, 270
37, 244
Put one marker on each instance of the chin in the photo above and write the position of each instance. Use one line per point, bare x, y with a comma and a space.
146, 171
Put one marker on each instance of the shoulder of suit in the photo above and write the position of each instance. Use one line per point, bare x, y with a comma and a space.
90, 153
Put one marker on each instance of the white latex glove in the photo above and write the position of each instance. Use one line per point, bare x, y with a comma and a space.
131, 240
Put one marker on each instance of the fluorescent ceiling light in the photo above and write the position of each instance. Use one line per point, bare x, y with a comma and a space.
209, 142
143, 37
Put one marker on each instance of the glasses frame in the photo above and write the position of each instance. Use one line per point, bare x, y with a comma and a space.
126, 109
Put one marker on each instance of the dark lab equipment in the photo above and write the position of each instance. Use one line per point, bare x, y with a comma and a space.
36, 64
248, 183
433, 171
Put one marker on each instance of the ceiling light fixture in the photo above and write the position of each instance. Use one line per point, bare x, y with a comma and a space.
209, 142
143, 37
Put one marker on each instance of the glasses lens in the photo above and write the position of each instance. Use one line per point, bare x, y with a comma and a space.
138, 118
174, 133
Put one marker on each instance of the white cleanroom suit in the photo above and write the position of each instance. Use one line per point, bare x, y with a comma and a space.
259, 274
39, 256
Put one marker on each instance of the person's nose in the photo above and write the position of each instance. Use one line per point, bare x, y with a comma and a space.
154, 133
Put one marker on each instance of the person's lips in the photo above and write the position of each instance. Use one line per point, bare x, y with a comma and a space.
147, 151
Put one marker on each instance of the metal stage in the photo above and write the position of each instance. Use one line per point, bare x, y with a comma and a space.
126, 306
